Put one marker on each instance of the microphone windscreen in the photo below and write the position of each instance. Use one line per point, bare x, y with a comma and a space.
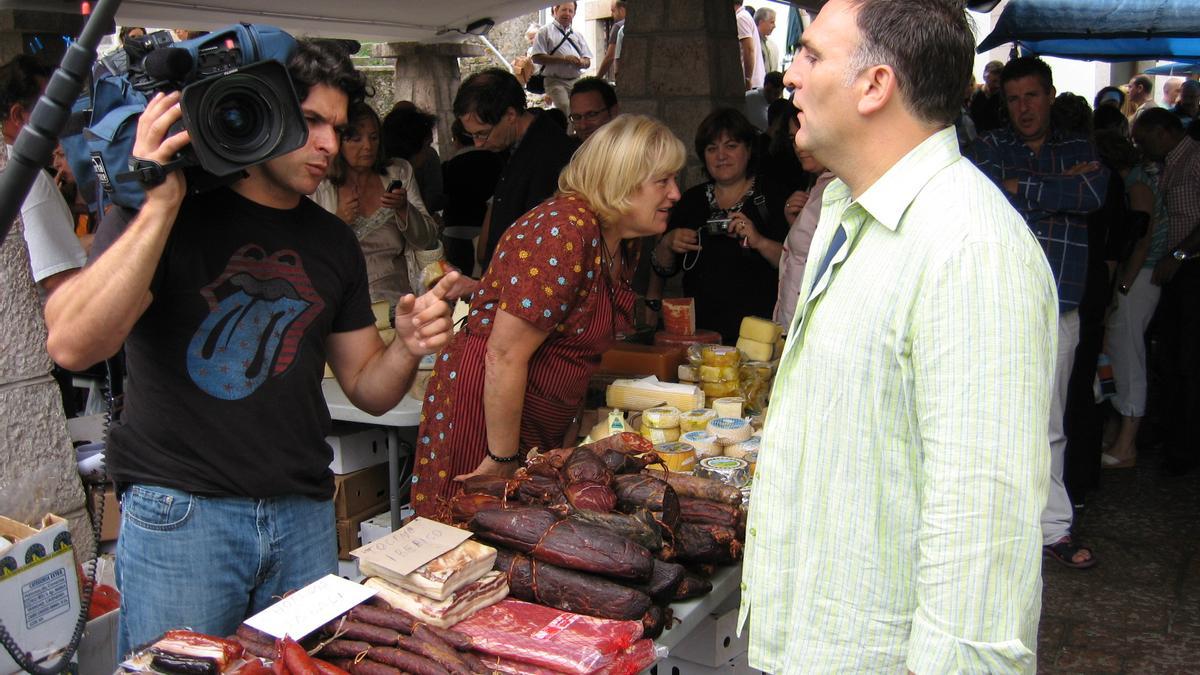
170, 63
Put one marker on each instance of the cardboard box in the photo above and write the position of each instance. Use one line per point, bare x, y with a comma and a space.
39, 588
97, 653
714, 643
356, 446
348, 569
739, 665
347, 530
358, 491
375, 527
110, 523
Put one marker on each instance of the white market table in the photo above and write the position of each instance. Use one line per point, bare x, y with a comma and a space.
406, 415
689, 614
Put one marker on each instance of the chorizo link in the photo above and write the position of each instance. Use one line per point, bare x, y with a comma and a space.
405, 661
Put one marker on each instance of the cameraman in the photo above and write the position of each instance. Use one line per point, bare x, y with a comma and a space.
229, 305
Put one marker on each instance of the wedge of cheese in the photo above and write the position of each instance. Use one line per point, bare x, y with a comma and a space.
756, 350
380, 310
760, 330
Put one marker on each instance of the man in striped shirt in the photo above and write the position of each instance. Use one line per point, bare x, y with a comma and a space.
895, 517
1053, 179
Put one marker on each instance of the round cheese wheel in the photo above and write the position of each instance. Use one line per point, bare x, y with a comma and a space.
728, 470
720, 355
679, 457
703, 442
744, 448
660, 436
666, 417
696, 420
730, 429
729, 406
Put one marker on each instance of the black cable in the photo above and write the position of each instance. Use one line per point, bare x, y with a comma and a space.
32, 149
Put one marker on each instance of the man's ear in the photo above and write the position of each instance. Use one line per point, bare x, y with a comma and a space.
876, 87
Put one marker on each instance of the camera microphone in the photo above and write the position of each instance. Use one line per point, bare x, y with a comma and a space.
171, 64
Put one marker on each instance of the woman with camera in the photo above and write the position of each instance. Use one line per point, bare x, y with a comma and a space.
381, 202
551, 302
726, 235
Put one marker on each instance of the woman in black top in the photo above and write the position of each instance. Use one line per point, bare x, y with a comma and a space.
726, 235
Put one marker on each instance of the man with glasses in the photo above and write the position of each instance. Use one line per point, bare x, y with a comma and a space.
593, 104
490, 105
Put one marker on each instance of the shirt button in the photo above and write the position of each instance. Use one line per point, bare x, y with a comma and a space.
743, 585
753, 532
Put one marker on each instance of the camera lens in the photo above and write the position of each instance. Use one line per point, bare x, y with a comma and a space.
241, 118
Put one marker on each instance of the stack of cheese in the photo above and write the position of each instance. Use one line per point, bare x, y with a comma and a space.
445, 590
715, 368
761, 342
661, 425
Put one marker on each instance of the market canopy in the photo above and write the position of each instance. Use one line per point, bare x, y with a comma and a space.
1100, 30
1173, 69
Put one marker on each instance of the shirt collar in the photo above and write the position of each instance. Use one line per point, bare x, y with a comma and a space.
888, 197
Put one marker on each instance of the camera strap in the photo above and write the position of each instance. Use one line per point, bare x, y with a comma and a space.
150, 173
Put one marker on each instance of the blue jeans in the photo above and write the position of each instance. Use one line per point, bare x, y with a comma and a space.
207, 563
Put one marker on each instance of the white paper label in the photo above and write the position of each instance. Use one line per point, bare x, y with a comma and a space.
411, 546
310, 607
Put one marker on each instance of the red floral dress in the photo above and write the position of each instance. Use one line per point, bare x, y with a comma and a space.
547, 270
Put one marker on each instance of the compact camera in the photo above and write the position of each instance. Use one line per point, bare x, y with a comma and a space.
238, 101
716, 226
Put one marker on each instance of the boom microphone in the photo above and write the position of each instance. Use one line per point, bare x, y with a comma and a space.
171, 64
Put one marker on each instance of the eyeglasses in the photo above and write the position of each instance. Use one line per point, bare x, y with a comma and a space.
482, 135
590, 116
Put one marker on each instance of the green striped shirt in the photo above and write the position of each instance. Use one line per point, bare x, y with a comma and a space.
895, 519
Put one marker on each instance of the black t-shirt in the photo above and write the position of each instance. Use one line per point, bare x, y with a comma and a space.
225, 366
728, 280
530, 176
469, 180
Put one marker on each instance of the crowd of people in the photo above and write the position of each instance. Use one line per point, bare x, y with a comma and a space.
933, 424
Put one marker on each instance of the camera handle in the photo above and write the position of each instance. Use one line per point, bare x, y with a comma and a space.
39, 137
150, 173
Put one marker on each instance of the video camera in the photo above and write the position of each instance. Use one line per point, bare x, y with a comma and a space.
238, 101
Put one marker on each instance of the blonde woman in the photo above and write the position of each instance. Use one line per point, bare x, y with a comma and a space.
552, 300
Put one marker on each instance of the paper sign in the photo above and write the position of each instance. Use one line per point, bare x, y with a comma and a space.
310, 607
411, 546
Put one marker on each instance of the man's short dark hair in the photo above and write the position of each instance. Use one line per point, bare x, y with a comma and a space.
993, 67
405, 130
909, 35
1070, 113
1027, 66
598, 85
489, 94
325, 62
1145, 83
1159, 118
729, 121
1110, 118
773, 78
21, 81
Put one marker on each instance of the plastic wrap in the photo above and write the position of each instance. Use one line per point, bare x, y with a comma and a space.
563, 641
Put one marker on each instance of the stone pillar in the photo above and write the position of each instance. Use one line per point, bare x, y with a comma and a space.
428, 76
37, 463
679, 61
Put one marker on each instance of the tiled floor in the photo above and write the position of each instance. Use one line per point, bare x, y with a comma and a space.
1138, 610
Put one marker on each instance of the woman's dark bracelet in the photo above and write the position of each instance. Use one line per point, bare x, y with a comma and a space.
502, 460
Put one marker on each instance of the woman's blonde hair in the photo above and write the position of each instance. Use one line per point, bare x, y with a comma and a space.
610, 167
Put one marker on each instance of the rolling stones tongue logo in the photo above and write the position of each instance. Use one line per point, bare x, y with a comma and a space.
259, 309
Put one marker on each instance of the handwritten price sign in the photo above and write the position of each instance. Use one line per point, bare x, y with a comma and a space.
411, 546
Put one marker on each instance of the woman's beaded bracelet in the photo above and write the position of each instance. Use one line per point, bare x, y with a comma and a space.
496, 458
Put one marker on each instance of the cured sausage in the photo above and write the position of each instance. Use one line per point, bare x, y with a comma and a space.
552, 586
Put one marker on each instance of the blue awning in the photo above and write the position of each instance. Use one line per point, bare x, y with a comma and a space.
1101, 30
1173, 69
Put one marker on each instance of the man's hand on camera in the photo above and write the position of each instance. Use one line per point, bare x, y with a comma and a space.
423, 324
152, 143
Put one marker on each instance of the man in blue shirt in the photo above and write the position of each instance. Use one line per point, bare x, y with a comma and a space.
1053, 179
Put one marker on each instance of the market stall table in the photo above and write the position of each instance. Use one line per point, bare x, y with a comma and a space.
690, 613
406, 415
